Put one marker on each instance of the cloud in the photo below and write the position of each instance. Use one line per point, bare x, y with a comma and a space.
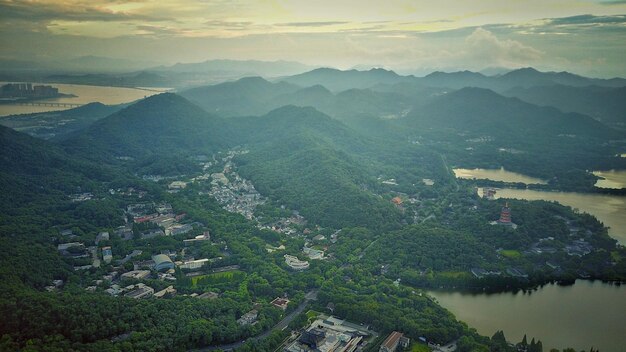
483, 44
613, 2
157, 30
311, 24
588, 20
45, 12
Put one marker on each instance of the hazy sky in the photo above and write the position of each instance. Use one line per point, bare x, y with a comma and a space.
587, 37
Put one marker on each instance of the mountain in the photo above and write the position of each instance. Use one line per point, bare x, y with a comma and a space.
337, 80
484, 111
602, 103
58, 124
523, 77
239, 68
246, 96
310, 162
455, 80
160, 130
34, 172
256, 96
476, 127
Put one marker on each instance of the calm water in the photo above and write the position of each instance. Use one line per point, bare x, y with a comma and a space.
612, 179
84, 95
587, 314
609, 209
496, 175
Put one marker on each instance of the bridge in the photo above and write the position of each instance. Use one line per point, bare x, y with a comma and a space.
52, 104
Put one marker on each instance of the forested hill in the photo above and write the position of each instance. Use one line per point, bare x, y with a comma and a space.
312, 163
603, 103
33, 170
247, 96
484, 111
156, 134
337, 80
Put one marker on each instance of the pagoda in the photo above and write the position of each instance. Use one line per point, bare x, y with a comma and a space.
505, 215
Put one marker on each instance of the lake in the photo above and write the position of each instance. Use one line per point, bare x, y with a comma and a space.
609, 209
587, 314
84, 95
612, 179
496, 175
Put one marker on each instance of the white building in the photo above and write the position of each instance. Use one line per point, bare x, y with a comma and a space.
193, 264
295, 263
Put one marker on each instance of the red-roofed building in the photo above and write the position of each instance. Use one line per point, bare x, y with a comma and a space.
393, 341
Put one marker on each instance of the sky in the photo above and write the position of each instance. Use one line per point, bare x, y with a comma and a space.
585, 37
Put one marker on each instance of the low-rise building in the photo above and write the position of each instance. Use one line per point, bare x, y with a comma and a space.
162, 262
136, 274
393, 342
295, 263
313, 253
193, 264
280, 302
204, 237
107, 254
169, 290
208, 295
139, 291
249, 318
177, 185
102, 236
330, 335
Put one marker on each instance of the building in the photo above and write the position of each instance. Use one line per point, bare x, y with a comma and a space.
162, 262
177, 185
102, 236
505, 215
249, 318
178, 229
193, 264
489, 193
280, 302
396, 200
208, 295
136, 274
313, 253
169, 290
393, 342
295, 263
107, 255
330, 335
204, 237
139, 291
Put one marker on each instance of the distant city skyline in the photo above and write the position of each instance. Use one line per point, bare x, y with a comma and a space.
584, 37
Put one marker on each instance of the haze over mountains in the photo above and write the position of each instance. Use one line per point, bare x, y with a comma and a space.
364, 154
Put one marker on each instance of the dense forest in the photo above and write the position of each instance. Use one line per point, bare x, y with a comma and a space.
366, 181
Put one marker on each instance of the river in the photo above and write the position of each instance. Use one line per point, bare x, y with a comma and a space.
587, 314
497, 175
84, 94
611, 179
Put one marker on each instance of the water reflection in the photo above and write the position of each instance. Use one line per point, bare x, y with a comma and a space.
587, 314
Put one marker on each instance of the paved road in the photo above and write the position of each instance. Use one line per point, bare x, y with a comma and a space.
310, 296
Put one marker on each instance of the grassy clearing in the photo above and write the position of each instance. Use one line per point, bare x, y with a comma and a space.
510, 253
419, 347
